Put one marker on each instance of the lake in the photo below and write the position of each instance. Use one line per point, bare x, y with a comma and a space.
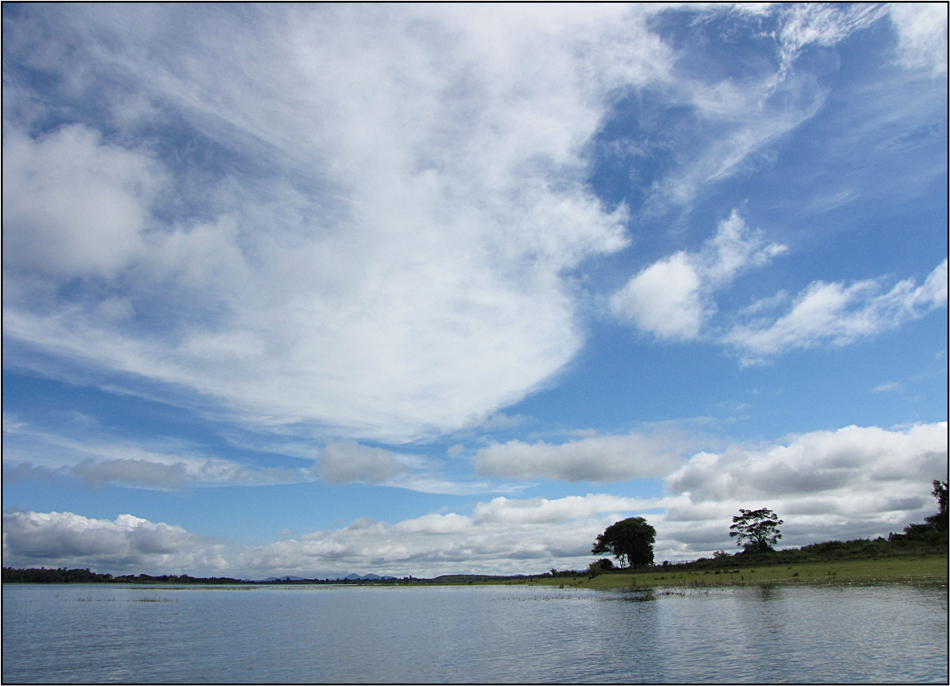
484, 634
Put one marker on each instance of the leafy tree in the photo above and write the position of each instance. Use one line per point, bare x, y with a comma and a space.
757, 530
935, 522
939, 521
629, 540
599, 567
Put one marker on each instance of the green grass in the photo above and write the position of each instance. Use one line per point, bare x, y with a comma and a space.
929, 568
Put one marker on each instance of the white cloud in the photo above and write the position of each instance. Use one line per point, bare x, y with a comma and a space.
598, 459
34, 453
393, 264
853, 458
543, 511
365, 229
826, 485
835, 314
742, 118
72, 205
347, 461
498, 421
886, 387
922, 33
501, 536
663, 299
31, 453
812, 23
845, 484
672, 297
126, 545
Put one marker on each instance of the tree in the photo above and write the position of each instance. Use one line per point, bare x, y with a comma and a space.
630, 539
939, 521
935, 522
599, 567
757, 530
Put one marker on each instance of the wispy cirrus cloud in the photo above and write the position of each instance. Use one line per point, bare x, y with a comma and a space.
836, 314
36, 454
736, 120
335, 220
370, 241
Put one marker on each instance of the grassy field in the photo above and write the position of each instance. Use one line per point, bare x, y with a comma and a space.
929, 569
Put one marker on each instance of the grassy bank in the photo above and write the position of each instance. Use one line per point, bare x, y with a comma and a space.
921, 558
924, 569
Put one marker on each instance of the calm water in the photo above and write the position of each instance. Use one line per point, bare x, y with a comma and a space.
72, 633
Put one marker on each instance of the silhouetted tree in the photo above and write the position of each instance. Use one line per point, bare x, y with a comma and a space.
939, 521
757, 530
935, 522
629, 539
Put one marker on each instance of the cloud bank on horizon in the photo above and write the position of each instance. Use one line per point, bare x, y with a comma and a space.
448, 288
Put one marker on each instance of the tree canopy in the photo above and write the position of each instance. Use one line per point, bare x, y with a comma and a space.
935, 523
629, 540
939, 521
757, 530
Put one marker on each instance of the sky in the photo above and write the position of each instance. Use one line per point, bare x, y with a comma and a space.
424, 289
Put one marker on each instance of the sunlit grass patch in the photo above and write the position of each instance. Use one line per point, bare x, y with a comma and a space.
924, 569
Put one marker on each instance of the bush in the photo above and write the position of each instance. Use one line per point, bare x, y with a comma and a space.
602, 565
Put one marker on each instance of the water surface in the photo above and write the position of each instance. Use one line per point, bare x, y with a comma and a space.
93, 633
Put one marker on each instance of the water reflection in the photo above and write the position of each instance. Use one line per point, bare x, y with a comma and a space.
474, 634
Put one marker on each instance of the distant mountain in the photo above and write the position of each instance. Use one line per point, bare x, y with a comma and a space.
285, 578
338, 577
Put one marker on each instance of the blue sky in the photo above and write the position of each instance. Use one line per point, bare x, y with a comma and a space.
297, 289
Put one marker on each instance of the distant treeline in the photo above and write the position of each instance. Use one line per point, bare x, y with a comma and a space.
913, 543
84, 576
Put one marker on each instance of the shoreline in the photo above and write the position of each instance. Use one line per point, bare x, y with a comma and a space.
931, 569
916, 569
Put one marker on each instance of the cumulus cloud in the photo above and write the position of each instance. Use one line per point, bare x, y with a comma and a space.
127, 544
845, 484
835, 314
672, 297
663, 299
501, 535
850, 483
